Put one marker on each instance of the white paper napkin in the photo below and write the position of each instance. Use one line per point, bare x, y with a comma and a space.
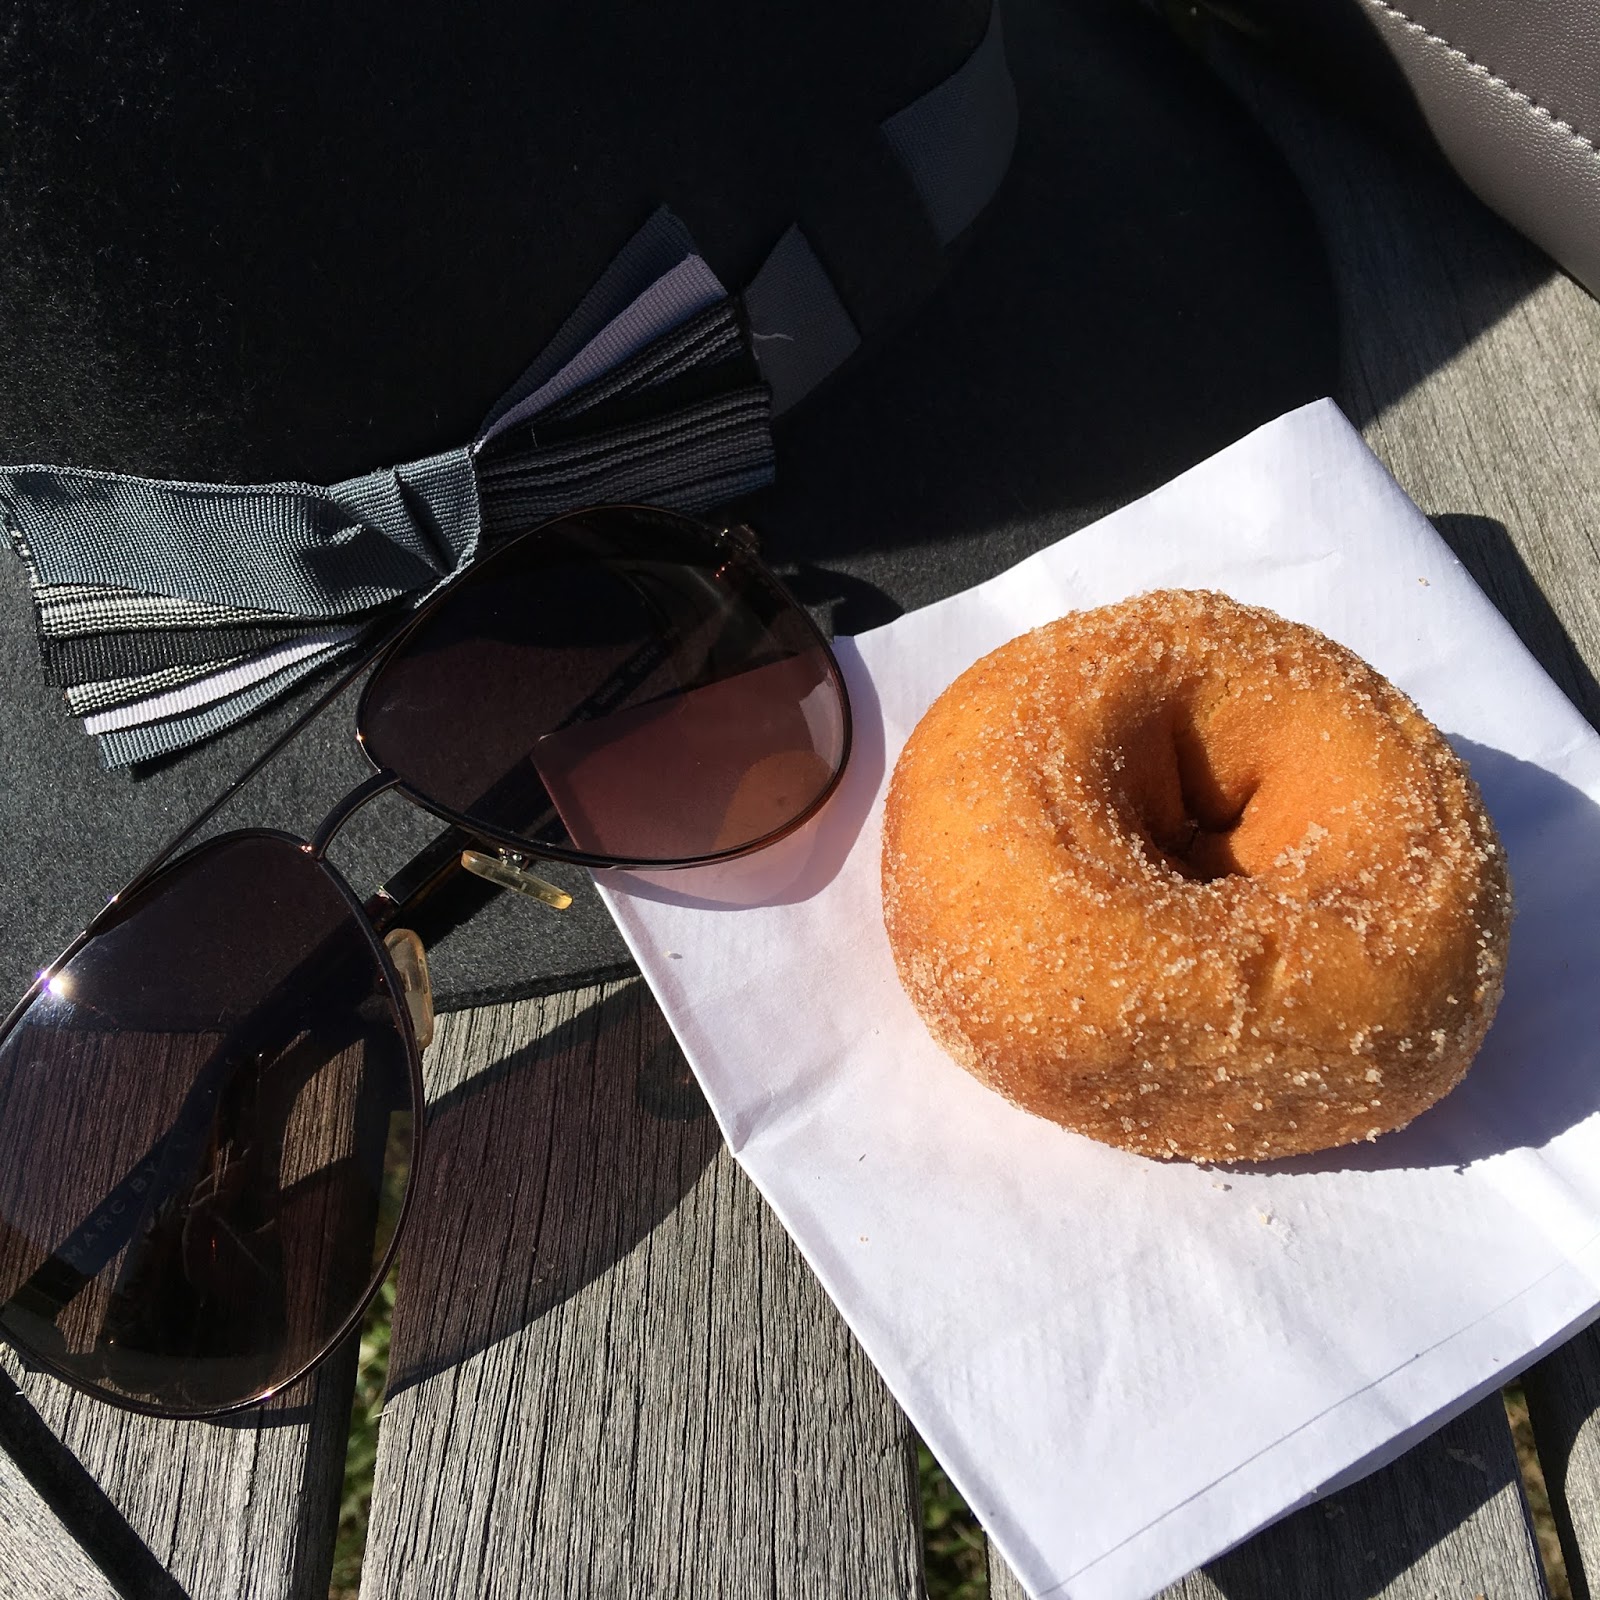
1128, 1366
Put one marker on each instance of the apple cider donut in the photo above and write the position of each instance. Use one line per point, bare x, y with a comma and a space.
1194, 880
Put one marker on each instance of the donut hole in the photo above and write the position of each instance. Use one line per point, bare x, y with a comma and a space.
1232, 779
1187, 793
1213, 809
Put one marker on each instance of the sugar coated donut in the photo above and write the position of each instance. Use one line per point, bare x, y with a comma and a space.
1196, 881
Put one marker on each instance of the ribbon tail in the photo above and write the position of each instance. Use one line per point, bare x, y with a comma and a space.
186, 606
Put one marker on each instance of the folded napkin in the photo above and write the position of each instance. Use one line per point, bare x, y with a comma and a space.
1129, 1366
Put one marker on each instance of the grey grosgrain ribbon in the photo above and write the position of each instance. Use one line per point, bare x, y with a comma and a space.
170, 611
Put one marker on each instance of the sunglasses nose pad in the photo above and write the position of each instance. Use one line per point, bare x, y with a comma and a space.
411, 965
507, 871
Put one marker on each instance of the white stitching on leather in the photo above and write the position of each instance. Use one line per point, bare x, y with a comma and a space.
1481, 71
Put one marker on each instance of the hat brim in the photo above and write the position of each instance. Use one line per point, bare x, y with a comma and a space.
1145, 287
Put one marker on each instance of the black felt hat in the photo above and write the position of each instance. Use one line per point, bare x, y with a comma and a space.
987, 275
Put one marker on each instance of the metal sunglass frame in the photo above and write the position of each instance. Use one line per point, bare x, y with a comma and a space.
738, 543
439, 862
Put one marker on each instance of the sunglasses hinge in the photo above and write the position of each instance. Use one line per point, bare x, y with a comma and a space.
742, 535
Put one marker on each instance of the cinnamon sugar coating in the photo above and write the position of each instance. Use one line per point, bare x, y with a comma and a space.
1196, 881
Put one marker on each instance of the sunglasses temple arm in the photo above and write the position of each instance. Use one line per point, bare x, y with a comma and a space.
404, 894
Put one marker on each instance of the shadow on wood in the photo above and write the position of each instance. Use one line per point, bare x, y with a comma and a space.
1420, 266
542, 1168
1485, 548
1449, 1514
1564, 1406
693, 1420
84, 1509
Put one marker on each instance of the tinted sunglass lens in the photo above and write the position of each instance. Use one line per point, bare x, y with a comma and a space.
206, 1127
622, 683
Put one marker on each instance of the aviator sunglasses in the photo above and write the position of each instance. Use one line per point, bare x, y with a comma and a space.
211, 1104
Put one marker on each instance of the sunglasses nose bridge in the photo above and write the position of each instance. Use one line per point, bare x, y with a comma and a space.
369, 789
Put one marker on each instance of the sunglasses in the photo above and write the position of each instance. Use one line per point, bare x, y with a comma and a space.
210, 1106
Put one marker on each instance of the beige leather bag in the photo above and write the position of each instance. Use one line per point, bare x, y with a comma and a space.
1508, 91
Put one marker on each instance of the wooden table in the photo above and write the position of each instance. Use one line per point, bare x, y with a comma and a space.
612, 1374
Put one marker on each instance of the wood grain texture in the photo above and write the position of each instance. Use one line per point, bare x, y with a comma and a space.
39, 1559
612, 1374
229, 1510
1470, 364
1004, 1584
1446, 1520
1564, 1407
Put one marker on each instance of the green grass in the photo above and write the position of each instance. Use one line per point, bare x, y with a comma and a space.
1544, 1523
361, 1453
952, 1542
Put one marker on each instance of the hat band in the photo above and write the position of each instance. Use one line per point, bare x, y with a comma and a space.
950, 149
169, 611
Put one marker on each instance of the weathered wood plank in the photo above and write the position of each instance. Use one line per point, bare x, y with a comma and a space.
230, 1510
1447, 1519
1564, 1407
1004, 1584
39, 1559
1471, 365
611, 1372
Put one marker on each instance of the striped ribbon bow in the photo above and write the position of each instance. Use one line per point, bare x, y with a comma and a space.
169, 611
